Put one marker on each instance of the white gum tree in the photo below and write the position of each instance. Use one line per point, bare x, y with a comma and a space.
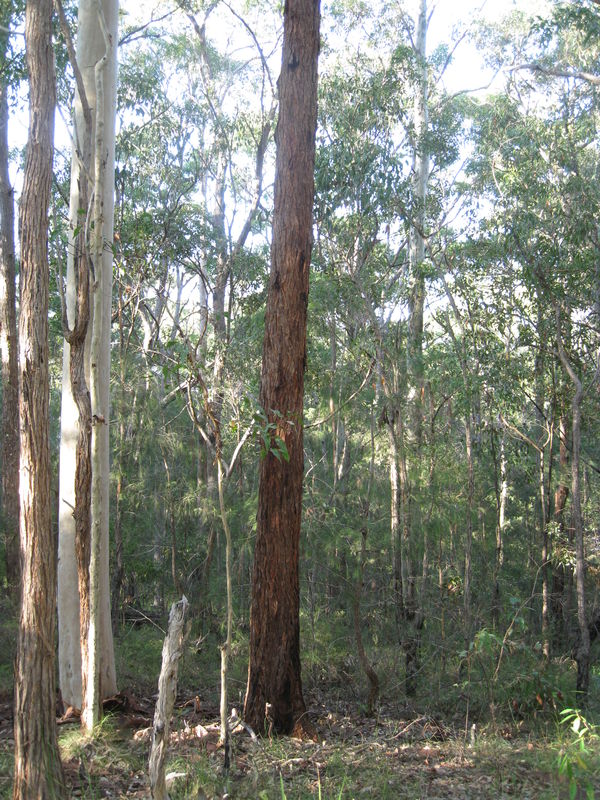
84, 599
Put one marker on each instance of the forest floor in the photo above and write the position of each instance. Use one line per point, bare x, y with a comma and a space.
426, 750
394, 755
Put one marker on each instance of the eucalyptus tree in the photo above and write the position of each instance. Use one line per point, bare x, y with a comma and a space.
86, 658
38, 770
190, 185
398, 147
8, 324
274, 690
541, 166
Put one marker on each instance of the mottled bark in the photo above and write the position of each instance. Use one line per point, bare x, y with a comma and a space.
38, 771
101, 675
9, 467
93, 158
274, 665
75, 337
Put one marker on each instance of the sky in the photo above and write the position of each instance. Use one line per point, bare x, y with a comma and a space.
448, 17
467, 70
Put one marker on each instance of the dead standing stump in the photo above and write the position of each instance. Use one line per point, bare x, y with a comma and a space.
167, 691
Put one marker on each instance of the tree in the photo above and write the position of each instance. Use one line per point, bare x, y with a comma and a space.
84, 588
38, 771
8, 335
274, 690
101, 667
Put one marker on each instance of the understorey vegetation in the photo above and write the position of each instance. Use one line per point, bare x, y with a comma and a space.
363, 446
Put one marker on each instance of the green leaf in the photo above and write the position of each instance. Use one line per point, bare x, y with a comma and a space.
282, 449
573, 790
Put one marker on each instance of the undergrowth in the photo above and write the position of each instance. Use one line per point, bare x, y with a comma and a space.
487, 723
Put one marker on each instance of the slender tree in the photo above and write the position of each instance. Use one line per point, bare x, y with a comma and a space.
274, 691
8, 337
38, 772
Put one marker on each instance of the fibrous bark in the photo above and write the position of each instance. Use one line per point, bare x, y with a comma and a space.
9, 347
38, 771
274, 665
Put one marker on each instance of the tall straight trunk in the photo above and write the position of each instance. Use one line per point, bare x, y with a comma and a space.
542, 493
274, 691
583, 646
366, 665
416, 255
561, 494
501, 485
413, 617
91, 159
583, 650
38, 771
9, 466
101, 669
91, 176
468, 532
118, 572
396, 526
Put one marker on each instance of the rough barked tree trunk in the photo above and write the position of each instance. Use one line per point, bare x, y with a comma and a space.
38, 771
274, 666
9, 467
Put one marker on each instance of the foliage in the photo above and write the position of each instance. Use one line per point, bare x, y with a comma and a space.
574, 759
511, 230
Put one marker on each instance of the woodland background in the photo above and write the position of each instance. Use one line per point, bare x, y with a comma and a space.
450, 546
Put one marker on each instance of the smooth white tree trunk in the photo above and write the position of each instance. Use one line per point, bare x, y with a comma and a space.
91, 48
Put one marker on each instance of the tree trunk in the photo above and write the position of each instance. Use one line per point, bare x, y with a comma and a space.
73, 549
582, 655
9, 466
274, 665
167, 692
420, 165
561, 494
542, 493
414, 352
468, 531
501, 483
101, 671
38, 770
366, 665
